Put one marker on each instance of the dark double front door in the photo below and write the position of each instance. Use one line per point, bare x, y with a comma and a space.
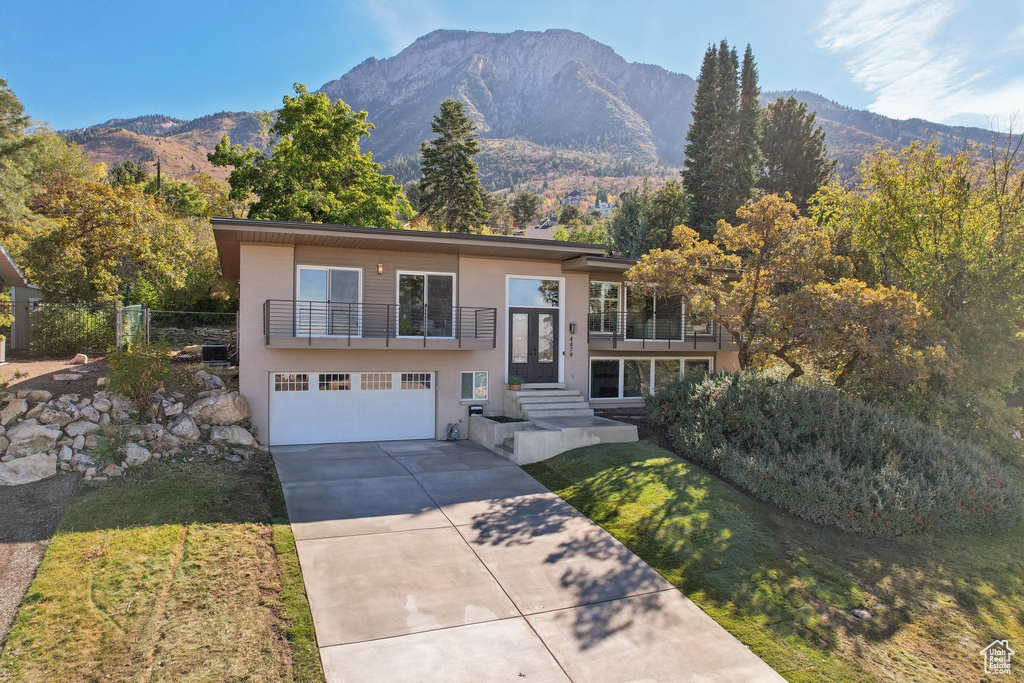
533, 344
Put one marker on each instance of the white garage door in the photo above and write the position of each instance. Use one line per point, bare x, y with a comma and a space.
329, 407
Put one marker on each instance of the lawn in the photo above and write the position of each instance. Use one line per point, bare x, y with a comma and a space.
179, 572
784, 587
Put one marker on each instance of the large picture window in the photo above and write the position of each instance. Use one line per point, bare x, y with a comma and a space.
426, 304
639, 377
328, 300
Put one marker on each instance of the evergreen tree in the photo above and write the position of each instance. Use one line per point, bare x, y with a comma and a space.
722, 151
628, 225
451, 195
795, 155
748, 149
666, 209
524, 208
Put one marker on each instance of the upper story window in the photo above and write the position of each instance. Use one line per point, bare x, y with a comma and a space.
426, 304
328, 300
533, 292
604, 306
653, 317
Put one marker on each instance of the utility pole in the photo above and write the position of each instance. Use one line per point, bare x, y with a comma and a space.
158, 176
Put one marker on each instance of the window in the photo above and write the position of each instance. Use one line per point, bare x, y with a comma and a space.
604, 378
474, 385
328, 300
533, 292
425, 304
335, 382
701, 365
416, 380
291, 382
604, 306
375, 381
637, 377
653, 317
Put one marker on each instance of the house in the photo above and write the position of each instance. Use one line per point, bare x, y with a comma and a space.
574, 198
22, 294
605, 208
361, 334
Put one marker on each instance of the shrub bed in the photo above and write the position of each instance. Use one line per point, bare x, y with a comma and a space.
834, 460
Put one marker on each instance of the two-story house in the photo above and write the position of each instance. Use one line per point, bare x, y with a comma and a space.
353, 333
574, 198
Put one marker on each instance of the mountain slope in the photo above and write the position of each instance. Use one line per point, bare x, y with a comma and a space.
549, 105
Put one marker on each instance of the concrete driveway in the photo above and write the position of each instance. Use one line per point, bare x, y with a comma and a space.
440, 561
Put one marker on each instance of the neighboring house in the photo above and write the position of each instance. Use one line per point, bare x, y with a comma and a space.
21, 294
357, 334
574, 198
605, 208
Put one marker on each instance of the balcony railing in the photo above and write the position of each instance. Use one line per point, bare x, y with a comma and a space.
353, 321
661, 332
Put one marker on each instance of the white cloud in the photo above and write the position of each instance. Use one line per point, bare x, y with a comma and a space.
911, 57
403, 21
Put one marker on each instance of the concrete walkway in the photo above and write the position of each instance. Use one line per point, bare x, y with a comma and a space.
440, 561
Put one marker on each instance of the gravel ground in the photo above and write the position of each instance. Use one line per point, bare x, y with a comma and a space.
28, 516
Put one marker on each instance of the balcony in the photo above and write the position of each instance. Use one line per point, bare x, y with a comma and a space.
331, 325
625, 331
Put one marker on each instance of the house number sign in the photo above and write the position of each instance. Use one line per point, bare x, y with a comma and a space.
570, 346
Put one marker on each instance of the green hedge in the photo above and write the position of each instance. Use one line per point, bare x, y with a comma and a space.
834, 460
60, 330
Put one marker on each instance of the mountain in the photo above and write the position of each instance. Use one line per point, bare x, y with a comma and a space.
552, 106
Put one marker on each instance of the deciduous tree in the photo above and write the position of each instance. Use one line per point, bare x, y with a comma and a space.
315, 171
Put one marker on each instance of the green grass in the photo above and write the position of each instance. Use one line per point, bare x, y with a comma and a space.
784, 586
171, 575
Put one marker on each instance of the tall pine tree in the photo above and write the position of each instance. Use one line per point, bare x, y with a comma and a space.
722, 151
795, 156
450, 193
748, 143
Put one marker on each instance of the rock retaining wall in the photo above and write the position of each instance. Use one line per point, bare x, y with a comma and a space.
100, 436
181, 336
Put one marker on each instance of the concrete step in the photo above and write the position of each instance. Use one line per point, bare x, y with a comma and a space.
544, 385
555, 405
545, 395
505, 448
563, 412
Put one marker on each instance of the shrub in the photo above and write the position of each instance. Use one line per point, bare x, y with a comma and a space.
834, 460
139, 371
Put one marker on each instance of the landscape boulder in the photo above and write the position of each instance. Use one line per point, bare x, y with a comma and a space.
228, 408
91, 414
185, 428
28, 469
231, 434
134, 454
59, 412
29, 438
13, 410
80, 427
101, 403
211, 381
80, 359
36, 395
67, 377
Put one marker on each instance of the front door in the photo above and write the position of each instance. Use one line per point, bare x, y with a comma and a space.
533, 344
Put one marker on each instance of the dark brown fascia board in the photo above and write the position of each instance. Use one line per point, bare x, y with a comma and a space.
297, 227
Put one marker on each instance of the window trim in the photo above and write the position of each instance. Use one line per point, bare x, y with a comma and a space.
487, 385
398, 294
622, 368
359, 312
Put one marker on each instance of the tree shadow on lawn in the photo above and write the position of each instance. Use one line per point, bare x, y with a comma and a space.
782, 576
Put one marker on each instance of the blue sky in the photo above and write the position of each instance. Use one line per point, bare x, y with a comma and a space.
80, 62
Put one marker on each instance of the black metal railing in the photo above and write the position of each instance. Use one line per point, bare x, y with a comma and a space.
667, 331
315, 319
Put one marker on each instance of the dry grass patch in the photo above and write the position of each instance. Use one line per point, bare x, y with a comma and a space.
170, 576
